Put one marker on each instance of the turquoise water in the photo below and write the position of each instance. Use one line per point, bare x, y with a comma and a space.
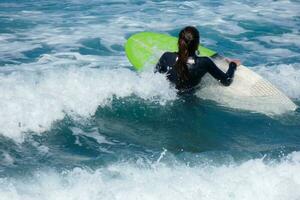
76, 122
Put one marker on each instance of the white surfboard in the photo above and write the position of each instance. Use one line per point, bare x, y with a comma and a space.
248, 91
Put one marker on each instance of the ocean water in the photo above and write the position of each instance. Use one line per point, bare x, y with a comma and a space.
77, 122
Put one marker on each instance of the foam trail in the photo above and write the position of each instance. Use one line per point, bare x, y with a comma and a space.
284, 39
253, 179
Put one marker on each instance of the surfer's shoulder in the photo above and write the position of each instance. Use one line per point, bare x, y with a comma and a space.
168, 57
169, 54
203, 59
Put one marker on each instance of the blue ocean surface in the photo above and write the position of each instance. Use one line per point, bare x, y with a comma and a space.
77, 122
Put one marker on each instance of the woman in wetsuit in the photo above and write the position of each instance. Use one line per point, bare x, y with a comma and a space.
185, 69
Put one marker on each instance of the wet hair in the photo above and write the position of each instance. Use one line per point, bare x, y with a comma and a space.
188, 43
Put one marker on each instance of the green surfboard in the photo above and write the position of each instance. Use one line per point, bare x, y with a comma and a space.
145, 48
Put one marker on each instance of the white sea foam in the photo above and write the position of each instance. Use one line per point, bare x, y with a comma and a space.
272, 54
7, 159
253, 179
77, 132
31, 100
284, 39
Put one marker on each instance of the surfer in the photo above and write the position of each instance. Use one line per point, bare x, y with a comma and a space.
185, 68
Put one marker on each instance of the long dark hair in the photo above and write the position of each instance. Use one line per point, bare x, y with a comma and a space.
188, 43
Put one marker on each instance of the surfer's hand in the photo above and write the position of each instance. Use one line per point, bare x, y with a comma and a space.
236, 61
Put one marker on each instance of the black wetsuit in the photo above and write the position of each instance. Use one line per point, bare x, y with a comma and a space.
197, 69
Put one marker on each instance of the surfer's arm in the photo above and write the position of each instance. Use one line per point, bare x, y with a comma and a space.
161, 66
224, 78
